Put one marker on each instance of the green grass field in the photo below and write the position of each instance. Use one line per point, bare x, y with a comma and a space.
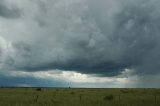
78, 97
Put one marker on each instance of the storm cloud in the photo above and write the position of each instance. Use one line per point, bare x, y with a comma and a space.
8, 11
88, 36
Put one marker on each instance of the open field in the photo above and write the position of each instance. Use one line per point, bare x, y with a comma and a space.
78, 97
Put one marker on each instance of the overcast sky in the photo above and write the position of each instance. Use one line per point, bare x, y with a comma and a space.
80, 43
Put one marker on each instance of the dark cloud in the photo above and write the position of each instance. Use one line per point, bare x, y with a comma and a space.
6, 81
100, 37
9, 12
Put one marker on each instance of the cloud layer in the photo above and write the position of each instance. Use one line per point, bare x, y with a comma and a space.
8, 11
88, 36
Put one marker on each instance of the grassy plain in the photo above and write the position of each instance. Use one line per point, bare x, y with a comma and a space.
78, 97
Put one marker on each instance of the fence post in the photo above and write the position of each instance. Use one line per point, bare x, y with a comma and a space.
119, 97
155, 97
36, 99
80, 97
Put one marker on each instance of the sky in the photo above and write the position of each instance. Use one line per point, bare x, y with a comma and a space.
80, 43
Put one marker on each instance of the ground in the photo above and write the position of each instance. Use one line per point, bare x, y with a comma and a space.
78, 97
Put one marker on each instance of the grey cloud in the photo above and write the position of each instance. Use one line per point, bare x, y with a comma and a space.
100, 37
9, 12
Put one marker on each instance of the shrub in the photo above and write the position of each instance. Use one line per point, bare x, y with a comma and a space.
124, 91
72, 92
109, 97
39, 89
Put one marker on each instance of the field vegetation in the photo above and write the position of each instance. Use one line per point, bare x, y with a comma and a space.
78, 97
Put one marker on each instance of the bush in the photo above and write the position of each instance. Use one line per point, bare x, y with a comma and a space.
72, 93
124, 91
109, 97
39, 89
